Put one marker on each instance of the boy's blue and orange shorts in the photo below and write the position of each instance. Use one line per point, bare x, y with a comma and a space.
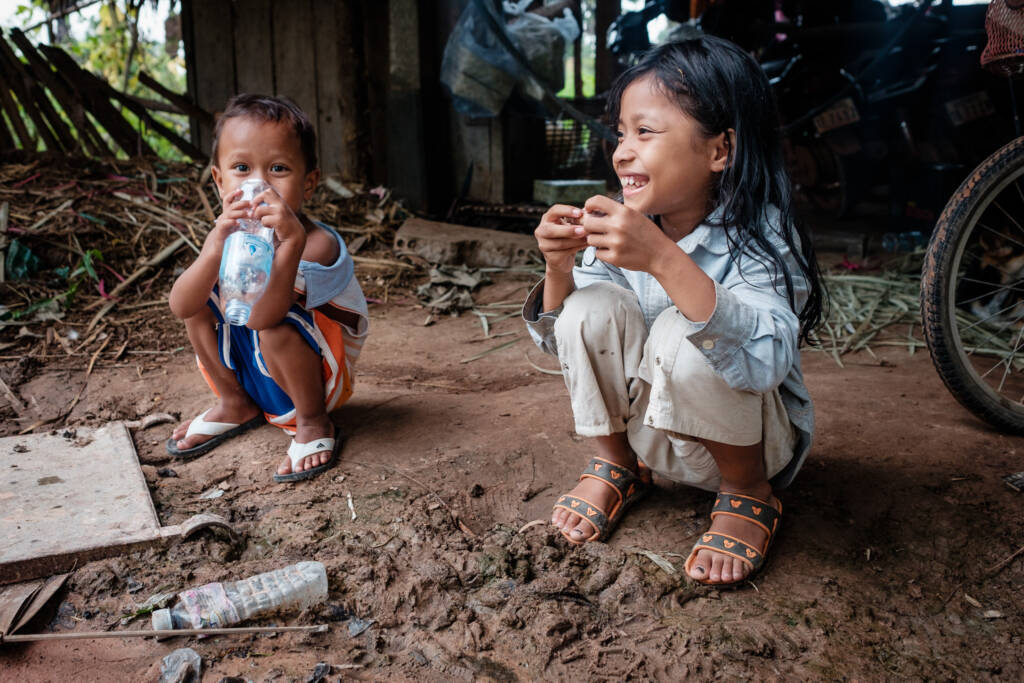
239, 350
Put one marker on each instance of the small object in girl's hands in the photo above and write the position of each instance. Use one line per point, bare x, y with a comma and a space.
1015, 481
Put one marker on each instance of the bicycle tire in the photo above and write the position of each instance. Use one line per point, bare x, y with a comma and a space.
940, 276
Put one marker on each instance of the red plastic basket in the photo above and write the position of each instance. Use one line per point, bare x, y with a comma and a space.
1004, 24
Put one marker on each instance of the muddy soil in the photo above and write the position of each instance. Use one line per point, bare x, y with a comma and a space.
888, 565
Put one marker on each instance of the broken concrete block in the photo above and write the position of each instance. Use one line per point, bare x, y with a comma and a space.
566, 191
448, 244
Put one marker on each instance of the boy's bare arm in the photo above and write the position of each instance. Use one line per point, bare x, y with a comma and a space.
270, 309
192, 288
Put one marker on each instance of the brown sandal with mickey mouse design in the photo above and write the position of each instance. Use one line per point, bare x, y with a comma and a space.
753, 510
629, 486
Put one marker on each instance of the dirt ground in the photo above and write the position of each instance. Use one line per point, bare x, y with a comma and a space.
888, 565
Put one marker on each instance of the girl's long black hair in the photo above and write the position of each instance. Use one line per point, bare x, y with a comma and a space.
721, 87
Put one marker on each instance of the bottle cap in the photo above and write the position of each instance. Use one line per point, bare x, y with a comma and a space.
161, 620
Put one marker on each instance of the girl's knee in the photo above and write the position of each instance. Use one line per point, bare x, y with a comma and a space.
675, 355
597, 305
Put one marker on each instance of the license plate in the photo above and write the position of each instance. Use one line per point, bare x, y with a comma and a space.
842, 113
969, 108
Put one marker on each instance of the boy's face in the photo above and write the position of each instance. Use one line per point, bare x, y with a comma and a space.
268, 150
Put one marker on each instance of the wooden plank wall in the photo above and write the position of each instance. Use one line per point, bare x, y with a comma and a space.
309, 50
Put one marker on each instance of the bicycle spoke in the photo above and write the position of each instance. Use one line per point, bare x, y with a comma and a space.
1007, 214
994, 315
1001, 234
1009, 359
1002, 288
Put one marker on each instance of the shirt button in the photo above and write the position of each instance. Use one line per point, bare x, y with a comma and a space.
708, 344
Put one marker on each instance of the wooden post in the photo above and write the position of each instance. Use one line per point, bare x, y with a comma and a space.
5, 209
339, 116
406, 163
604, 65
295, 68
254, 48
577, 59
210, 59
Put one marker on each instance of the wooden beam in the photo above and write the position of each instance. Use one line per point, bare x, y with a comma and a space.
10, 108
7, 142
88, 137
182, 102
97, 101
57, 124
19, 86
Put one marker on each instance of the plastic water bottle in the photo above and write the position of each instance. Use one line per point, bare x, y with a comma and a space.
217, 605
245, 262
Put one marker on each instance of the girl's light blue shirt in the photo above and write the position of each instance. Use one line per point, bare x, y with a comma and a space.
751, 337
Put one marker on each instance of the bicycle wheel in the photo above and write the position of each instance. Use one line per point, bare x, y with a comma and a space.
972, 291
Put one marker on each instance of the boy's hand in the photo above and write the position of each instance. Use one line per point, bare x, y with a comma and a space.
623, 236
227, 221
559, 236
272, 210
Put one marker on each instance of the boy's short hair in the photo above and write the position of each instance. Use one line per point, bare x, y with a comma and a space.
270, 108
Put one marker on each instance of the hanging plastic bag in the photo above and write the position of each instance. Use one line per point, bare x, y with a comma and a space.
479, 71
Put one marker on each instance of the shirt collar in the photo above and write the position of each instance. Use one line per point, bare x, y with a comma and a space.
709, 235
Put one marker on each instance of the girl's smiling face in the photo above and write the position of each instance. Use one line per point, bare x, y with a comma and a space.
250, 147
664, 162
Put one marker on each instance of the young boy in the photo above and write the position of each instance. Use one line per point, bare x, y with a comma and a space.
292, 362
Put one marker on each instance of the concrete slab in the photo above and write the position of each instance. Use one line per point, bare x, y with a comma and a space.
448, 244
65, 500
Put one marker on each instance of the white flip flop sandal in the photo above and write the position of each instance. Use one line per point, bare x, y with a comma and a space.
298, 451
220, 431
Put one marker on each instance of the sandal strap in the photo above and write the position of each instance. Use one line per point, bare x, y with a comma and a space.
199, 425
754, 510
618, 477
297, 452
586, 510
728, 545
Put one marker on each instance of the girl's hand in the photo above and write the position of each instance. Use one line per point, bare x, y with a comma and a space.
276, 214
623, 236
559, 236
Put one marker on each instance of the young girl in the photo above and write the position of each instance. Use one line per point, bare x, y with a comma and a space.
678, 336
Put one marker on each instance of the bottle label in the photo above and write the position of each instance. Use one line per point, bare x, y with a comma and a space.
243, 245
208, 606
